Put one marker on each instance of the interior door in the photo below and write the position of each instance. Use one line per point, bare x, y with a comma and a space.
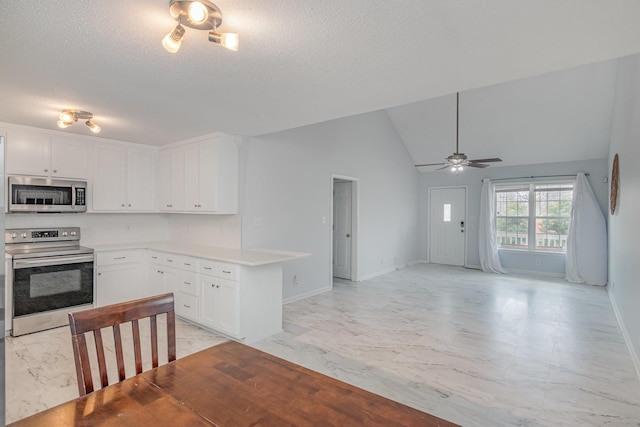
447, 225
342, 211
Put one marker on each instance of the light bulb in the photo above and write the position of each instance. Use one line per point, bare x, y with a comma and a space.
453, 168
67, 118
62, 124
198, 13
172, 41
459, 168
230, 40
94, 127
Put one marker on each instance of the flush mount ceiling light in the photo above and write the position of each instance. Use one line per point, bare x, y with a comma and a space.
201, 15
69, 117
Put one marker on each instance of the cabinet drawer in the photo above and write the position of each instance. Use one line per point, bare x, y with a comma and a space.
118, 257
227, 271
188, 283
187, 305
180, 261
208, 267
155, 257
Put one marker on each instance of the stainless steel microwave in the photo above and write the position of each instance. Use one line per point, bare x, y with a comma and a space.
33, 194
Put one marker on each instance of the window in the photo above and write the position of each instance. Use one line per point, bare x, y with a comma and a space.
533, 216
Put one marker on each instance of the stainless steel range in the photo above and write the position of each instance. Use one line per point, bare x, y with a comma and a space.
51, 276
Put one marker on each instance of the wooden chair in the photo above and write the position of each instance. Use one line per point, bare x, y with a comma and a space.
93, 320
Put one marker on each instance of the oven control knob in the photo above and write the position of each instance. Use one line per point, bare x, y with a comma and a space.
23, 235
14, 235
65, 234
73, 233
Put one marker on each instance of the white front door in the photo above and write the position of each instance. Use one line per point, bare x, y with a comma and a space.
342, 229
447, 225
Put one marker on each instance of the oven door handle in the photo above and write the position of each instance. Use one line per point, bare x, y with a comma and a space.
58, 260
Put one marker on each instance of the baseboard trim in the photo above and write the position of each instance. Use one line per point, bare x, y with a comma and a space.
305, 295
389, 270
625, 334
535, 273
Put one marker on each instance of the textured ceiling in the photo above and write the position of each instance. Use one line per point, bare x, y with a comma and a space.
300, 61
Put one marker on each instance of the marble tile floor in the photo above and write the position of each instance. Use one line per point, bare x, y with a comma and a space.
474, 348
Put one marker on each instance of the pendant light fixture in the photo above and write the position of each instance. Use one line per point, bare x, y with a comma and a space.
69, 117
201, 15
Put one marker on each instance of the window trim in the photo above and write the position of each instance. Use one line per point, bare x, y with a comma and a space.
531, 226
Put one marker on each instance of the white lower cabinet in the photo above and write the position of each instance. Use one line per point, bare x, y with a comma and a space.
242, 302
120, 276
219, 302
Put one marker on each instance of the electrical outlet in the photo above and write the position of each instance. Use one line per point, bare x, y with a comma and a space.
296, 282
537, 261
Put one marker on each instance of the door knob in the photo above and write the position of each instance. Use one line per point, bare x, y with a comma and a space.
348, 234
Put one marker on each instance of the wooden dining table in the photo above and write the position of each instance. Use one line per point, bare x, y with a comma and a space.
231, 384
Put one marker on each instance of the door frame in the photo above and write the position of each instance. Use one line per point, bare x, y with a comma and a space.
355, 232
466, 218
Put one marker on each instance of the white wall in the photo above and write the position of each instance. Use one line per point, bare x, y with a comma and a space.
624, 228
287, 183
553, 264
214, 230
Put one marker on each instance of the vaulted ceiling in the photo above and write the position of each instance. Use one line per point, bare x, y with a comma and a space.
302, 62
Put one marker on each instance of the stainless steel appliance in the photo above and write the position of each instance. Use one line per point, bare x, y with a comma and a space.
32, 194
51, 275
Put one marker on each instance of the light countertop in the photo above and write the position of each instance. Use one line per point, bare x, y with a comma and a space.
250, 257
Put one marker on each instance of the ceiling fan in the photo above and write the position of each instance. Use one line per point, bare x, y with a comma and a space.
458, 160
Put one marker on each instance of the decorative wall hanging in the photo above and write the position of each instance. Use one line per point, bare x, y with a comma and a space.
614, 184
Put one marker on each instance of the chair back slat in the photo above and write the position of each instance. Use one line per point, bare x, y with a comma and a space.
154, 341
171, 335
137, 351
102, 362
117, 342
93, 320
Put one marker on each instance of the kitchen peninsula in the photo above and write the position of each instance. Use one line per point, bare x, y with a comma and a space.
234, 292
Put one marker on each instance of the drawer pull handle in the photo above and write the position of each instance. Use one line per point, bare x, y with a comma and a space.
119, 257
226, 272
187, 283
186, 306
169, 260
208, 268
187, 264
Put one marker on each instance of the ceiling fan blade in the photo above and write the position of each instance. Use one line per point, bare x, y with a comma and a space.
444, 167
495, 159
477, 165
430, 164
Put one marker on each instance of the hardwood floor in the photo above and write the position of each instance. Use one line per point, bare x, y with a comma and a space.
473, 348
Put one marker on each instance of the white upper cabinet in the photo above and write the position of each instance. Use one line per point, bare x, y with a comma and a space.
123, 179
31, 153
200, 177
171, 179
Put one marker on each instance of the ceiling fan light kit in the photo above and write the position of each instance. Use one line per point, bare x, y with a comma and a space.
200, 15
457, 160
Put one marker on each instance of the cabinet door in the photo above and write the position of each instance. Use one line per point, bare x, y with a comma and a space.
108, 179
207, 176
155, 283
28, 153
191, 179
140, 180
228, 312
209, 301
170, 278
118, 283
69, 158
171, 180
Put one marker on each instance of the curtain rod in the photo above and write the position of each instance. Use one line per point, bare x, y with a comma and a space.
537, 176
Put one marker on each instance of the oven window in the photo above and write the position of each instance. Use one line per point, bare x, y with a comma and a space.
40, 289
57, 282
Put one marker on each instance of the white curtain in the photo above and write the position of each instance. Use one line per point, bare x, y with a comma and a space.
586, 238
489, 258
